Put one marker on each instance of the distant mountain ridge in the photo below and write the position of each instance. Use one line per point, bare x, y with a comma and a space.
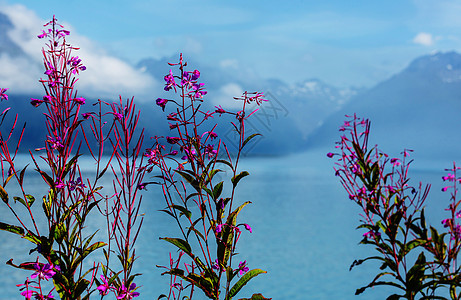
424, 98
418, 108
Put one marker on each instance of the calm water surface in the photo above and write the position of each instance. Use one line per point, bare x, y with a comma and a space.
303, 233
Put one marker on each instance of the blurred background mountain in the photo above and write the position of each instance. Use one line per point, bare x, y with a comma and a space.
418, 108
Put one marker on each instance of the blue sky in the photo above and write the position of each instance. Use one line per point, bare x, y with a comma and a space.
344, 43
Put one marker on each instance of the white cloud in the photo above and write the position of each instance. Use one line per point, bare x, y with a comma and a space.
106, 76
424, 38
225, 96
14, 77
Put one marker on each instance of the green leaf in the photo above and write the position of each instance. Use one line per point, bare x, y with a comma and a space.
79, 288
243, 281
32, 237
20, 200
69, 165
30, 199
217, 190
70, 210
3, 194
180, 243
60, 232
182, 209
48, 179
12, 228
249, 138
21, 175
190, 179
225, 243
87, 251
239, 176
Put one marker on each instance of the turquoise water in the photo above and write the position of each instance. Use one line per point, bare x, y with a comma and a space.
303, 233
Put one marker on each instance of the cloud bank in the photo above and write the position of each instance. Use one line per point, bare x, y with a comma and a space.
106, 76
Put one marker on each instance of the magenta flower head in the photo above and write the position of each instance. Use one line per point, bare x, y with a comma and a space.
3, 96
161, 102
243, 267
43, 35
27, 294
127, 294
247, 227
449, 177
218, 228
446, 222
117, 116
43, 271
80, 100
170, 83
104, 287
86, 115
220, 110
195, 75
330, 155
172, 140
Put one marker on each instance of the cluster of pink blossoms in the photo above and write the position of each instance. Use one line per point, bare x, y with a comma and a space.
123, 292
34, 289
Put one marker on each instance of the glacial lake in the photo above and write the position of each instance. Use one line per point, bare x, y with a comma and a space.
303, 235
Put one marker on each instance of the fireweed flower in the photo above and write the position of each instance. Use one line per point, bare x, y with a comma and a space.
27, 294
80, 100
371, 234
195, 75
78, 184
247, 227
243, 267
55, 142
220, 110
117, 116
172, 140
213, 135
215, 265
59, 184
210, 151
3, 96
105, 287
199, 92
161, 102
218, 228
86, 115
44, 34
449, 177
62, 33
43, 271
142, 186
330, 155
395, 162
446, 223
170, 83
127, 294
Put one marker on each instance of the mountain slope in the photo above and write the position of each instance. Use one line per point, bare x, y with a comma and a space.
419, 108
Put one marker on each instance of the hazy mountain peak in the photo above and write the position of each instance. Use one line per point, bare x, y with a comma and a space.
445, 66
